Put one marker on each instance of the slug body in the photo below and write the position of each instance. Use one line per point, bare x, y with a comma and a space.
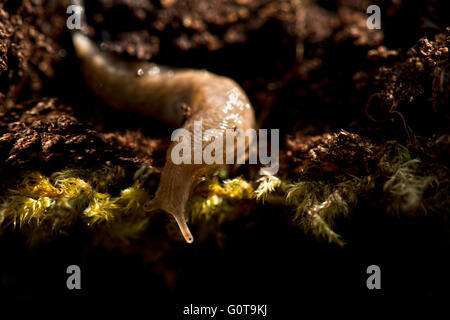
176, 97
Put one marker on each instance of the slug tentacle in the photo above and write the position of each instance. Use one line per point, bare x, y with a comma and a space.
166, 94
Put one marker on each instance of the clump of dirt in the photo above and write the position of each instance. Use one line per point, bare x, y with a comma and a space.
330, 156
28, 49
414, 92
185, 25
46, 134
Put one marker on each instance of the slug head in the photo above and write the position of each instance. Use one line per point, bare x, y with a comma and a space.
173, 193
156, 204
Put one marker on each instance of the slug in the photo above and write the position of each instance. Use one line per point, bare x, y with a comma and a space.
177, 97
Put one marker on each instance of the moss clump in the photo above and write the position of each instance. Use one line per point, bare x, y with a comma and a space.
214, 202
232, 189
208, 198
42, 206
101, 208
267, 184
407, 180
410, 188
406, 188
318, 204
314, 201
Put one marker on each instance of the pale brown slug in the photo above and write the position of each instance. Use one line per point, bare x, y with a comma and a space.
165, 94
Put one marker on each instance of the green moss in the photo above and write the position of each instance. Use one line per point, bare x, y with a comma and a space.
406, 188
101, 209
42, 207
267, 185
315, 203
213, 203
407, 180
209, 197
318, 204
